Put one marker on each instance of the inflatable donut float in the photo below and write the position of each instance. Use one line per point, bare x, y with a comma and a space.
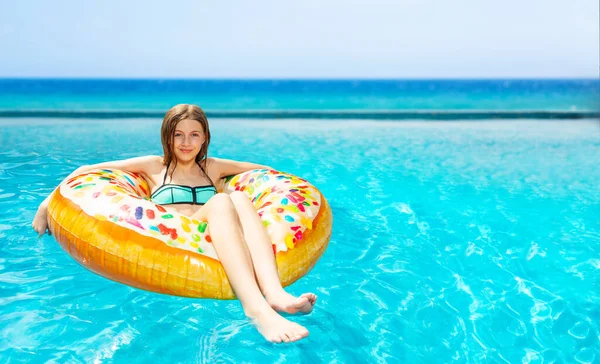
105, 220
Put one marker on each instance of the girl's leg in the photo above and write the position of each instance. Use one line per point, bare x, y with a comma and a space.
259, 245
228, 240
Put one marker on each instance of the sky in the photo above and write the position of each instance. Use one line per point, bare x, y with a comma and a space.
300, 39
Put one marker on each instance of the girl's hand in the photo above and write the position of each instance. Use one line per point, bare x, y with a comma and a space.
40, 221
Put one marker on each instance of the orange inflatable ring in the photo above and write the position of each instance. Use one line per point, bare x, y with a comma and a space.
105, 220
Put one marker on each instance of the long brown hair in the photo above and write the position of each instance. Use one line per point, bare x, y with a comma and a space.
167, 134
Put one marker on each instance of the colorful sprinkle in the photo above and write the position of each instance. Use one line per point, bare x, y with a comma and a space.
298, 196
134, 223
202, 227
167, 216
139, 212
266, 204
129, 180
306, 222
84, 186
208, 238
163, 229
289, 242
150, 214
116, 199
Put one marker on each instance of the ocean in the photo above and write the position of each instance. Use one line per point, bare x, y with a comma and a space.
389, 99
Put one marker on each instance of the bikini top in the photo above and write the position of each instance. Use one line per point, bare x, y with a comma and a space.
172, 194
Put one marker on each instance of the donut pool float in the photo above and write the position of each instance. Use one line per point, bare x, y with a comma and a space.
105, 220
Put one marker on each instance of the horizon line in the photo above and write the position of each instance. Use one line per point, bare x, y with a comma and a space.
129, 78
317, 114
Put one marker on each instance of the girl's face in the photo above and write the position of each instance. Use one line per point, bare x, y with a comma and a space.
187, 140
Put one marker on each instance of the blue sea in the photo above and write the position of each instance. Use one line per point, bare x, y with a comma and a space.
49, 96
453, 241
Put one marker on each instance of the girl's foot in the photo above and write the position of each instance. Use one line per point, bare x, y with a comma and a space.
277, 329
285, 302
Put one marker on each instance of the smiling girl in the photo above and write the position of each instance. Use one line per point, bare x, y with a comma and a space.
182, 181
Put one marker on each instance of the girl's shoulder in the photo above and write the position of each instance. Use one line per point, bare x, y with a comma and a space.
211, 166
153, 169
150, 163
210, 162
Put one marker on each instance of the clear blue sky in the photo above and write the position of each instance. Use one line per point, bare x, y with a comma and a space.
300, 39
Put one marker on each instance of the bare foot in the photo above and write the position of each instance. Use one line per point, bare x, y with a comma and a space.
285, 302
40, 221
277, 329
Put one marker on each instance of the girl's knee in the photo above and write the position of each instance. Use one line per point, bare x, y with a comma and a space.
238, 195
221, 206
221, 198
221, 202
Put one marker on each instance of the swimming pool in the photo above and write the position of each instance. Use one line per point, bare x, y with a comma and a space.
452, 241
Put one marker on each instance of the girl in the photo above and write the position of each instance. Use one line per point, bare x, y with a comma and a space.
239, 237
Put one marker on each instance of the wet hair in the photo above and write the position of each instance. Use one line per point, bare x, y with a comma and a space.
167, 134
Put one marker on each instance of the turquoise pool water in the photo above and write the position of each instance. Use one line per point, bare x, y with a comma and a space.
453, 242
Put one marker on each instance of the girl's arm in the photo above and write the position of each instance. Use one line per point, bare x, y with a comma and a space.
228, 167
143, 165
